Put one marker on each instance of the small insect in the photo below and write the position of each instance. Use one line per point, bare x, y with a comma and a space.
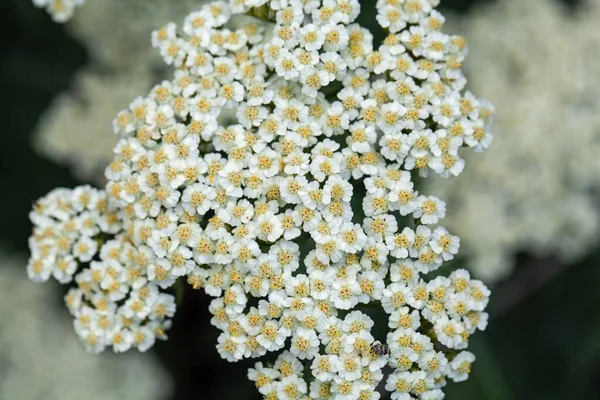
380, 349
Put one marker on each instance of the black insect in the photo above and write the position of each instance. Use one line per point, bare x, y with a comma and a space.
380, 349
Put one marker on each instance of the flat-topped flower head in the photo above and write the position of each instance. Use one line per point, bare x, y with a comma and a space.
277, 172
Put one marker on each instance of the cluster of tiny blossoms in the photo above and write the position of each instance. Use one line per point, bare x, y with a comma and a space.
535, 191
114, 303
59, 10
275, 170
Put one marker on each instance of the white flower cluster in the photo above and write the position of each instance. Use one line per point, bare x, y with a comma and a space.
275, 170
426, 321
59, 10
114, 303
536, 190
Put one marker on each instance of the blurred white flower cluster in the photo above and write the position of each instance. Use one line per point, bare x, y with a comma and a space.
42, 360
536, 190
60, 10
115, 32
122, 64
275, 170
73, 129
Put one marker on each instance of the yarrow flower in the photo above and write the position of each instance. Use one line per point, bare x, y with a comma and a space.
59, 10
276, 171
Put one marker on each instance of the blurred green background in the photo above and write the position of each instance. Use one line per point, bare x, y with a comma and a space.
543, 340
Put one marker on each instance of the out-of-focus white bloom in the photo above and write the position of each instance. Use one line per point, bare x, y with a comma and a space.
535, 190
73, 129
43, 359
265, 187
60, 10
115, 34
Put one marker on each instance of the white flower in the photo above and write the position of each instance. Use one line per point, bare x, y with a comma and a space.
418, 296
371, 284
85, 249
320, 282
429, 209
402, 358
449, 332
404, 318
480, 139
400, 384
391, 17
39, 270
391, 120
447, 165
334, 65
379, 226
399, 243
290, 387
313, 80
460, 366
349, 367
269, 227
325, 367
344, 293
356, 321
305, 344
285, 65
235, 299
479, 295
443, 243
362, 136
272, 337
311, 37
394, 296
336, 37
231, 348
394, 145
352, 237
